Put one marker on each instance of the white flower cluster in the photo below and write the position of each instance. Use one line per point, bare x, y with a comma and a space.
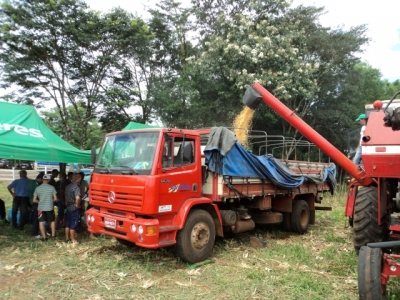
246, 48
260, 53
190, 58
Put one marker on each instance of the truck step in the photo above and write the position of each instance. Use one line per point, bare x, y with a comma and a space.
168, 228
167, 243
323, 208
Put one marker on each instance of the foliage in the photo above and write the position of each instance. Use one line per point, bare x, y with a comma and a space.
169, 90
64, 52
94, 131
286, 50
185, 67
259, 44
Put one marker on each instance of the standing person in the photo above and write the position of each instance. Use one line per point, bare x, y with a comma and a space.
362, 119
64, 182
46, 195
73, 202
33, 184
19, 191
3, 212
54, 175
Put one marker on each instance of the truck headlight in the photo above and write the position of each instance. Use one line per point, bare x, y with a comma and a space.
140, 229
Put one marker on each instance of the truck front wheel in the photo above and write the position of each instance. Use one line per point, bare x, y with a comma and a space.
365, 222
195, 240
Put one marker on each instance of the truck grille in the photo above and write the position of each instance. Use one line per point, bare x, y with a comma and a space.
123, 201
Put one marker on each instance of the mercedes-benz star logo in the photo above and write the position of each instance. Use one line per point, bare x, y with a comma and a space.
111, 197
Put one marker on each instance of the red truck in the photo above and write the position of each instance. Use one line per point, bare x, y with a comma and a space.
162, 187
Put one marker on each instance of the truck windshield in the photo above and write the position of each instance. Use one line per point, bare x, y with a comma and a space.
131, 153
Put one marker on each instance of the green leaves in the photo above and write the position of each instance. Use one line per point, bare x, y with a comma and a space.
65, 52
186, 66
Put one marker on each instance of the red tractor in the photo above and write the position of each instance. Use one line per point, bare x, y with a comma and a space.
373, 201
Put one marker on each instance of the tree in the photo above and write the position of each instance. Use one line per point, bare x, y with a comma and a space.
390, 88
150, 79
94, 130
246, 42
329, 110
59, 50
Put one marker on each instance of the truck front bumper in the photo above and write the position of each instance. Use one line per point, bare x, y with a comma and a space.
142, 232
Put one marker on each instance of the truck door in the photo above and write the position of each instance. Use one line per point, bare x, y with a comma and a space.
180, 176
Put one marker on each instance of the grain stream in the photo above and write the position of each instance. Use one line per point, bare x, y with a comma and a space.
242, 124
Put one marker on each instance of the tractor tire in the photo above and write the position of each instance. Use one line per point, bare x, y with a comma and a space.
365, 221
300, 216
125, 242
370, 264
286, 222
195, 241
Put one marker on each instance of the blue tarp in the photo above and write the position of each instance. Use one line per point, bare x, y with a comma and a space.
239, 162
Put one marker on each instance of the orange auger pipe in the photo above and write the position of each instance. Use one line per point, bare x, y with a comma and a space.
313, 136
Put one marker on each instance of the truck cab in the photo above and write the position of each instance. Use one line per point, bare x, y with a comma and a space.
144, 184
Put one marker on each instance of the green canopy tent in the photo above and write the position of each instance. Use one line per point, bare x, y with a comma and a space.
133, 126
24, 135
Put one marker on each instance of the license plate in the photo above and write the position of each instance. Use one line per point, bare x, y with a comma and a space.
110, 223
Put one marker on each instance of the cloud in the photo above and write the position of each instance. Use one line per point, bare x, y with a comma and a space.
381, 19
379, 16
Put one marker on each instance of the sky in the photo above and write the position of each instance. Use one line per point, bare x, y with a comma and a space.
381, 18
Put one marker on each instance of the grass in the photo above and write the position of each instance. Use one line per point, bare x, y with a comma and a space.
318, 265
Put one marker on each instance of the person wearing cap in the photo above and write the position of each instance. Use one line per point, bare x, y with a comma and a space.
19, 191
33, 184
46, 195
362, 119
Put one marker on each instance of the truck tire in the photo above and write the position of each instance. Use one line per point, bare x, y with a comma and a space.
370, 264
125, 242
365, 221
300, 216
195, 241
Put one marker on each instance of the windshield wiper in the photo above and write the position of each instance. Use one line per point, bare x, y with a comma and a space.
130, 172
103, 172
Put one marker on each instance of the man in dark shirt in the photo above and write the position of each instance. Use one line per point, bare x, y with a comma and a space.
19, 191
54, 175
73, 202
33, 184
65, 180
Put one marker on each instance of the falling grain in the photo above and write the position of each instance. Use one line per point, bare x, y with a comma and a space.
242, 124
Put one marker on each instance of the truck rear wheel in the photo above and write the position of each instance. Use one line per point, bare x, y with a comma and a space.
370, 263
365, 221
195, 241
300, 216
